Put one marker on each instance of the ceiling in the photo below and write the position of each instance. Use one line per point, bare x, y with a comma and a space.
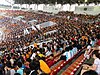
53, 1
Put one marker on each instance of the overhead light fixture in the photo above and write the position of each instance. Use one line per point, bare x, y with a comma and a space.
86, 1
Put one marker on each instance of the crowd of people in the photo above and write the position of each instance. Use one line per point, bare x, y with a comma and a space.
74, 32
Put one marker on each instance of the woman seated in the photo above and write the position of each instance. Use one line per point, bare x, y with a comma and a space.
96, 64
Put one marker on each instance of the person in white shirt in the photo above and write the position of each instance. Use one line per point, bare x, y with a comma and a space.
33, 55
96, 64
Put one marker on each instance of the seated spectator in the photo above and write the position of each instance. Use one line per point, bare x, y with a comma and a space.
96, 64
98, 40
87, 52
8, 69
33, 69
27, 68
43, 66
20, 70
1, 71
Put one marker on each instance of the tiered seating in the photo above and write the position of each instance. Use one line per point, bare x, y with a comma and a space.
56, 55
70, 70
58, 67
54, 60
62, 64
75, 66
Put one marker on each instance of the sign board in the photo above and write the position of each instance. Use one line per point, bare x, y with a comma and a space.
91, 10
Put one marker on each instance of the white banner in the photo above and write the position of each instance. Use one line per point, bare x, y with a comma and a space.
92, 10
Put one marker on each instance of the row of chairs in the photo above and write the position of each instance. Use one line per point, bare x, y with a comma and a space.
48, 57
73, 67
53, 61
61, 64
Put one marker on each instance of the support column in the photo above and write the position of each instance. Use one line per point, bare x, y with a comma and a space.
20, 6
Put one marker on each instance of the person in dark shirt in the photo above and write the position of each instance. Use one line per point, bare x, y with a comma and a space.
33, 67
